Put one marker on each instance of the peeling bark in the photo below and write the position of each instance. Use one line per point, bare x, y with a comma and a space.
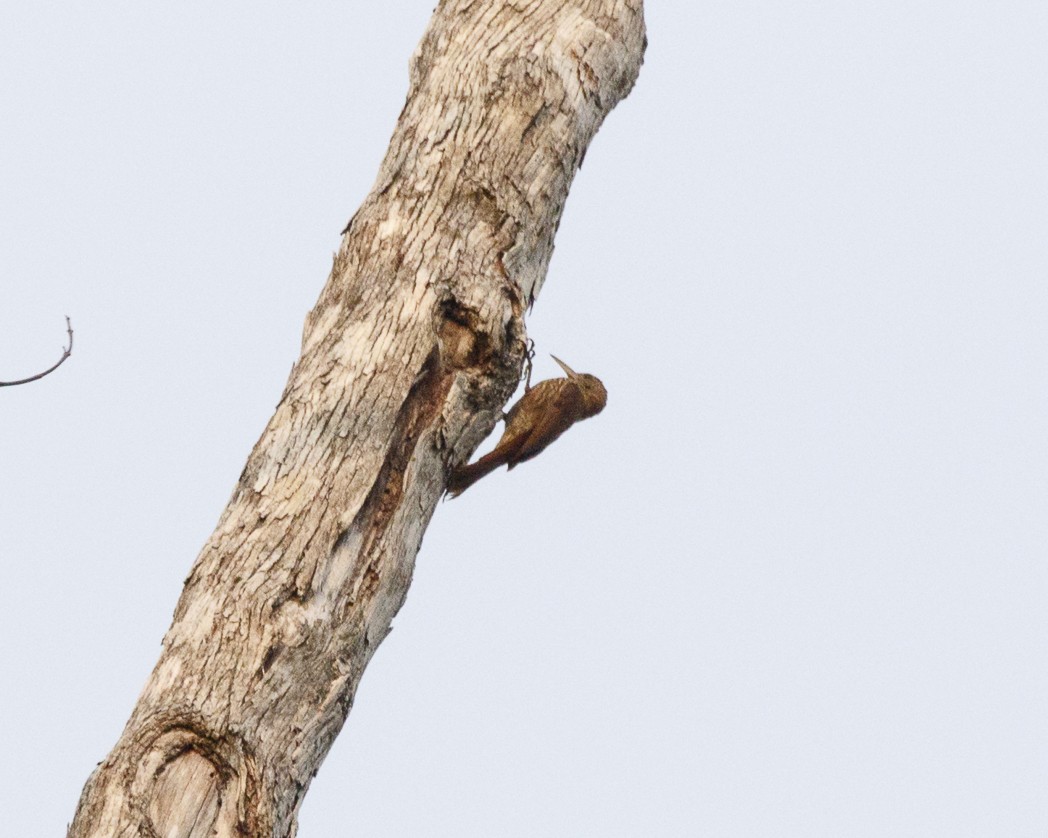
415, 344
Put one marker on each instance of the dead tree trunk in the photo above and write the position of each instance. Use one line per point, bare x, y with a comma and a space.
415, 344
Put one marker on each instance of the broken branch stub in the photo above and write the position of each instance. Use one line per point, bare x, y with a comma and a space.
415, 344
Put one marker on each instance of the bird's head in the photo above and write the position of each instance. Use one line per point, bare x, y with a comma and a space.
594, 394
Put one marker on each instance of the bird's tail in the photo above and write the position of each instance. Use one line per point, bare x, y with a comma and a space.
465, 476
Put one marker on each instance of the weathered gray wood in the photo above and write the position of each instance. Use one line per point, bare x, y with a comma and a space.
415, 344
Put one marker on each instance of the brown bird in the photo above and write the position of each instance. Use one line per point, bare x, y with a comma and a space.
543, 413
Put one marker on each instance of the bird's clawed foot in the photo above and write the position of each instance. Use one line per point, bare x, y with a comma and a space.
529, 360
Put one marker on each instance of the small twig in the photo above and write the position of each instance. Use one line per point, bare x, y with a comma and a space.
66, 352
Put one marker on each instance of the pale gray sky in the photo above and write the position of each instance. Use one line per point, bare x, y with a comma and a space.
792, 581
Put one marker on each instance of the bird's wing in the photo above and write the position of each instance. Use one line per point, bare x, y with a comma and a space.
566, 409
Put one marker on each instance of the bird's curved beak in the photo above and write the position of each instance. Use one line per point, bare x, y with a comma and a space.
571, 373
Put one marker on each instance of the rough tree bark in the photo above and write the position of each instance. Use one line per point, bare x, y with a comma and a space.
415, 344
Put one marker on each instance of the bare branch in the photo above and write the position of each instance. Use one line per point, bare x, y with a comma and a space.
66, 352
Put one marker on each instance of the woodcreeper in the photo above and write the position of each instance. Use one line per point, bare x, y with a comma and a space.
543, 413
